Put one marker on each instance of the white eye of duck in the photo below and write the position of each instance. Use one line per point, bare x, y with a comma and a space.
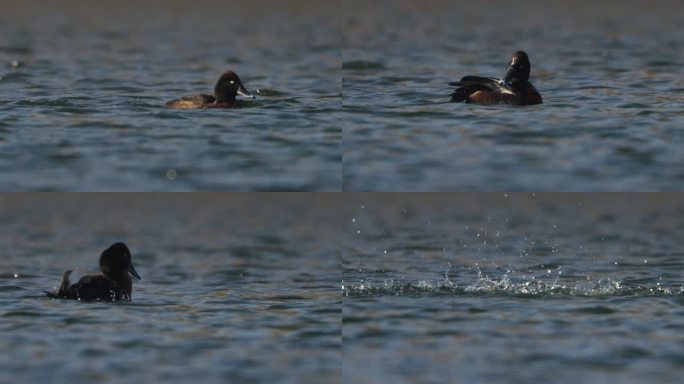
232, 82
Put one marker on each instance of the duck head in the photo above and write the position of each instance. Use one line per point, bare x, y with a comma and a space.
228, 86
115, 261
518, 70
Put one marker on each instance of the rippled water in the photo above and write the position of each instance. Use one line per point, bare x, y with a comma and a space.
611, 74
235, 288
82, 87
513, 288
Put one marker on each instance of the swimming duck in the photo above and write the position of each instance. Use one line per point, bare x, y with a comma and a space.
227, 87
514, 88
113, 284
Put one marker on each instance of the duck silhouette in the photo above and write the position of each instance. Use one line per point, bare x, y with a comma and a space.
226, 89
514, 88
112, 284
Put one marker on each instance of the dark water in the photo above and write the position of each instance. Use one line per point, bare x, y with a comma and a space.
235, 288
82, 87
611, 74
467, 288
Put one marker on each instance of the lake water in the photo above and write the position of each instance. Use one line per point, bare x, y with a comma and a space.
611, 74
553, 288
235, 288
347, 287
82, 88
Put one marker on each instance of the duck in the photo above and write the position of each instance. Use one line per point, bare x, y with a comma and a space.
112, 284
226, 89
513, 88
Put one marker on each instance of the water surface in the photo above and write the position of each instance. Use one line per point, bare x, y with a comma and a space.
82, 88
469, 288
610, 72
235, 288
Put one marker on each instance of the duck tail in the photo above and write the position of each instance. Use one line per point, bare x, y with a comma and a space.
64, 288
66, 284
65, 281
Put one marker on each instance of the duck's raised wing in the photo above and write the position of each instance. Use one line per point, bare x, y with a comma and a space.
471, 84
490, 83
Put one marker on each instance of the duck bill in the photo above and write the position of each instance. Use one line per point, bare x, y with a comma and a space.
132, 271
508, 77
243, 92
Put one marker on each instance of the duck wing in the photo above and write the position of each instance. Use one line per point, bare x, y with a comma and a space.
191, 102
490, 83
96, 287
471, 84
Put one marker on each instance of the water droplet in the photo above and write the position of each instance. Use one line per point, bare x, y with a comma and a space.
353, 219
171, 174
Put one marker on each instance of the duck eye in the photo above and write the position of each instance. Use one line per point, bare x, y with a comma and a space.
232, 82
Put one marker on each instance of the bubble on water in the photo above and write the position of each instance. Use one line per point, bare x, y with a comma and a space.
15, 63
353, 219
16, 275
171, 174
